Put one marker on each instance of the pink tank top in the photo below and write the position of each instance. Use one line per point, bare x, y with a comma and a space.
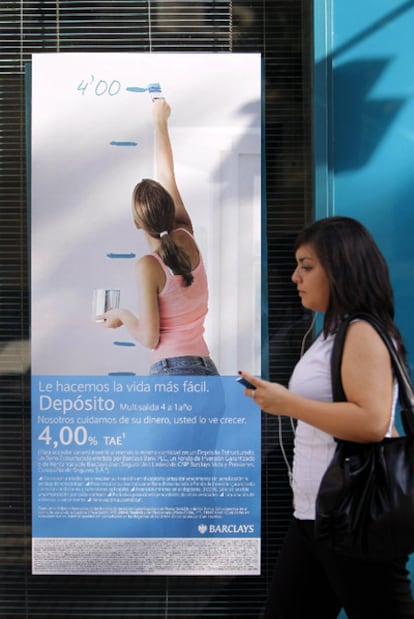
182, 313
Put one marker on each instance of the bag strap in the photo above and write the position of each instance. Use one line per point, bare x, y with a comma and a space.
406, 396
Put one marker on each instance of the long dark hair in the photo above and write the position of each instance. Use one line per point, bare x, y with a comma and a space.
358, 274
153, 210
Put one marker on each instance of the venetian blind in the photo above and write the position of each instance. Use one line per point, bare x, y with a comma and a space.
280, 31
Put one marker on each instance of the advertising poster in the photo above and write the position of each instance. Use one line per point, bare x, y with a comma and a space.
134, 473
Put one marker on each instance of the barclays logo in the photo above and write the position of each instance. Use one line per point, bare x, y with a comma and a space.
202, 528
229, 529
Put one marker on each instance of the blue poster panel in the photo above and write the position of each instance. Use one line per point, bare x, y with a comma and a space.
136, 473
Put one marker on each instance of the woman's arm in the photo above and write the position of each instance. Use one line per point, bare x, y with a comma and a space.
367, 381
165, 161
146, 328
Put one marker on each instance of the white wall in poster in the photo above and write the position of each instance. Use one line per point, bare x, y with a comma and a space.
92, 140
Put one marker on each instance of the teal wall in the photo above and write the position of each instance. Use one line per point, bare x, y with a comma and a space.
364, 131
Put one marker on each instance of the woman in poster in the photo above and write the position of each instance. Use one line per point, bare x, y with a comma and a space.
171, 279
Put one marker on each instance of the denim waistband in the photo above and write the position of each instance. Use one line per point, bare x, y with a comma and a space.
185, 362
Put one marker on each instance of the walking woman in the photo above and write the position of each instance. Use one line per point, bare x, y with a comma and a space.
340, 270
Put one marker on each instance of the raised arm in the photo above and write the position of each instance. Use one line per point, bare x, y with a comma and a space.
165, 161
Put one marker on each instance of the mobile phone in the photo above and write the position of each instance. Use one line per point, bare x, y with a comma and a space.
245, 382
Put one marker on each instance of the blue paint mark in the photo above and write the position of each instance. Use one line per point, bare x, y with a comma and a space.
154, 89
136, 89
120, 143
121, 374
117, 255
124, 344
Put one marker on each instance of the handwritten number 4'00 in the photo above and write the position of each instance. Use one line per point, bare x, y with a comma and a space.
99, 88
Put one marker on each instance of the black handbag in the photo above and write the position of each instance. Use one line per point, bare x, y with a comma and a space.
365, 502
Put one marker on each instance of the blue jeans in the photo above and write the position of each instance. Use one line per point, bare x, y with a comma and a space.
187, 365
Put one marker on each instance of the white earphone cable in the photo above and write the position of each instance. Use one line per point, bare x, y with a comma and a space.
292, 424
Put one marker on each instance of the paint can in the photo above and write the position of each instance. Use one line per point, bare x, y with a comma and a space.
104, 299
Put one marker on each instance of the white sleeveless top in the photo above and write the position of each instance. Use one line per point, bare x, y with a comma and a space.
313, 449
